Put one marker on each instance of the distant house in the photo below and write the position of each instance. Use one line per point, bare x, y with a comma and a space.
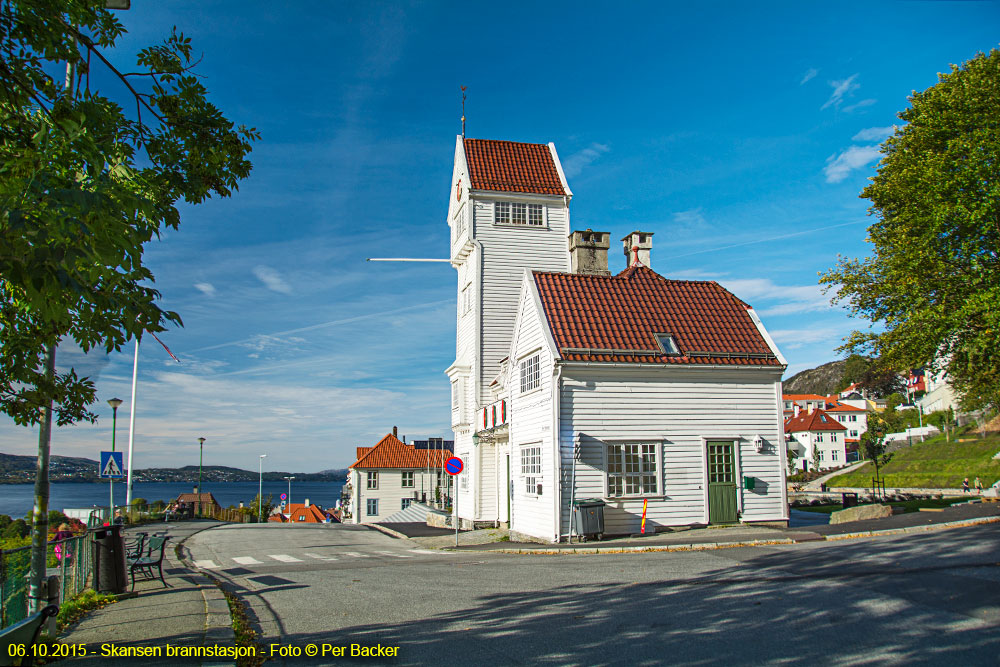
301, 513
818, 438
389, 476
804, 401
854, 419
199, 503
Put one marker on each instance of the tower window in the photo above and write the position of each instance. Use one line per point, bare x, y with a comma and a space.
516, 213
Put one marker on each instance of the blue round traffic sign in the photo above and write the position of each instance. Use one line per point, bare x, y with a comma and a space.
453, 465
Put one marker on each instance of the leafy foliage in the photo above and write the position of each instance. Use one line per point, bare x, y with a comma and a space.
84, 185
255, 509
872, 376
933, 282
872, 445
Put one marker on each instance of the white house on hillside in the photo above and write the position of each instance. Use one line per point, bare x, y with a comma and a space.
571, 383
818, 438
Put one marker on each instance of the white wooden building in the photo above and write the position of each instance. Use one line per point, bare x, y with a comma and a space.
570, 383
387, 477
818, 438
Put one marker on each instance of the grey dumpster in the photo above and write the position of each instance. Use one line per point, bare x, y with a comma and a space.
109, 559
588, 517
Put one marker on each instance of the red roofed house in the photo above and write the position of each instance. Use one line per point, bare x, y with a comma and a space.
570, 383
301, 513
818, 438
386, 478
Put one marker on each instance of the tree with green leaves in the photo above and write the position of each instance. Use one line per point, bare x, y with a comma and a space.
872, 444
85, 183
874, 378
932, 285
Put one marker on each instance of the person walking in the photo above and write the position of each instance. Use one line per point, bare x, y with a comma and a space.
965, 485
62, 548
979, 487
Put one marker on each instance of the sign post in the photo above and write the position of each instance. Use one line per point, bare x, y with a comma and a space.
453, 466
111, 469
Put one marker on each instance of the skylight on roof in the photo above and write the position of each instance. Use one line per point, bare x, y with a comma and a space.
667, 344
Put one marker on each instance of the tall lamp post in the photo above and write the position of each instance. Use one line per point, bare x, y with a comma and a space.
201, 456
260, 489
289, 480
114, 403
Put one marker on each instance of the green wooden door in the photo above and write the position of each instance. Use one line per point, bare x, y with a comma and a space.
721, 482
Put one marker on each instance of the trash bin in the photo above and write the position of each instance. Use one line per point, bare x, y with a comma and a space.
588, 517
109, 559
849, 500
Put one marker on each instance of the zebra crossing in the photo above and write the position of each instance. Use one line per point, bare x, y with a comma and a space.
305, 557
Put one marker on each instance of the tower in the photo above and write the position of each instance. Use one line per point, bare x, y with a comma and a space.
508, 211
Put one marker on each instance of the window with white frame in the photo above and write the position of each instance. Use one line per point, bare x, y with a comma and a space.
517, 213
632, 469
373, 507
819, 437
407, 481
529, 373
833, 455
372, 479
854, 434
463, 480
854, 418
454, 394
405, 502
531, 468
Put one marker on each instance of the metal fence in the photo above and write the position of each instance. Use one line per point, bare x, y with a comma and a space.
68, 559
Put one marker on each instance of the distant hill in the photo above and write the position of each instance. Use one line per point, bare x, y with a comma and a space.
823, 380
17, 469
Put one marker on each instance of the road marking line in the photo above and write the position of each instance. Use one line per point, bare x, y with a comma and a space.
318, 557
426, 551
247, 560
284, 558
206, 564
355, 554
393, 554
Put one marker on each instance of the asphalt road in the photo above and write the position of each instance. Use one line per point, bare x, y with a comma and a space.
929, 598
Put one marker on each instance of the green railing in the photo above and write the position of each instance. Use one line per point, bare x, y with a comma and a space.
68, 559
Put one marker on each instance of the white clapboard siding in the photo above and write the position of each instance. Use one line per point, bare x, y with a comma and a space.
531, 424
506, 251
487, 490
677, 409
390, 491
463, 450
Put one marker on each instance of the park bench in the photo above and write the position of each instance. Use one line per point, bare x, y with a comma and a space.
18, 639
134, 548
152, 559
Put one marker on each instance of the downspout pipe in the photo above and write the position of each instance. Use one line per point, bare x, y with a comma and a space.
557, 456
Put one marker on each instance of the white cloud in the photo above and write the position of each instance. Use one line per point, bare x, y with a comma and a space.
873, 133
859, 105
791, 299
840, 89
810, 73
272, 279
208, 289
816, 335
690, 218
577, 162
840, 166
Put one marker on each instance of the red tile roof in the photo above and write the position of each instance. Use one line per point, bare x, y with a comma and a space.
836, 406
817, 420
362, 451
508, 166
312, 514
390, 452
616, 319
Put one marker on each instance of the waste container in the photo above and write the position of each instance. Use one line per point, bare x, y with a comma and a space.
109, 559
849, 500
588, 517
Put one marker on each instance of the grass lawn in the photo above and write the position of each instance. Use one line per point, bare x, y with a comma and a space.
907, 505
934, 464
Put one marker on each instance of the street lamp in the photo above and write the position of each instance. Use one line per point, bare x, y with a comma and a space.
201, 456
260, 489
289, 480
114, 403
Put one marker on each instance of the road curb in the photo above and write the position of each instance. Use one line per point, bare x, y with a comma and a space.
218, 619
915, 529
708, 546
388, 531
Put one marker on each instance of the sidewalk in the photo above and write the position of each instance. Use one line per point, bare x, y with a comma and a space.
192, 612
740, 535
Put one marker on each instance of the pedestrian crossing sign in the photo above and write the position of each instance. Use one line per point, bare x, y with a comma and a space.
111, 465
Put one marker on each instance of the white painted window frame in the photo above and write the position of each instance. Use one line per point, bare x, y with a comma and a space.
503, 214
369, 504
531, 468
371, 480
657, 468
403, 480
524, 372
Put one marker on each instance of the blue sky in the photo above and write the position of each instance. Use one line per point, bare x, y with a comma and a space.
739, 133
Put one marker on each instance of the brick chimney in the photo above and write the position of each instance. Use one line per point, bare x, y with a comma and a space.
641, 240
395, 432
588, 252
